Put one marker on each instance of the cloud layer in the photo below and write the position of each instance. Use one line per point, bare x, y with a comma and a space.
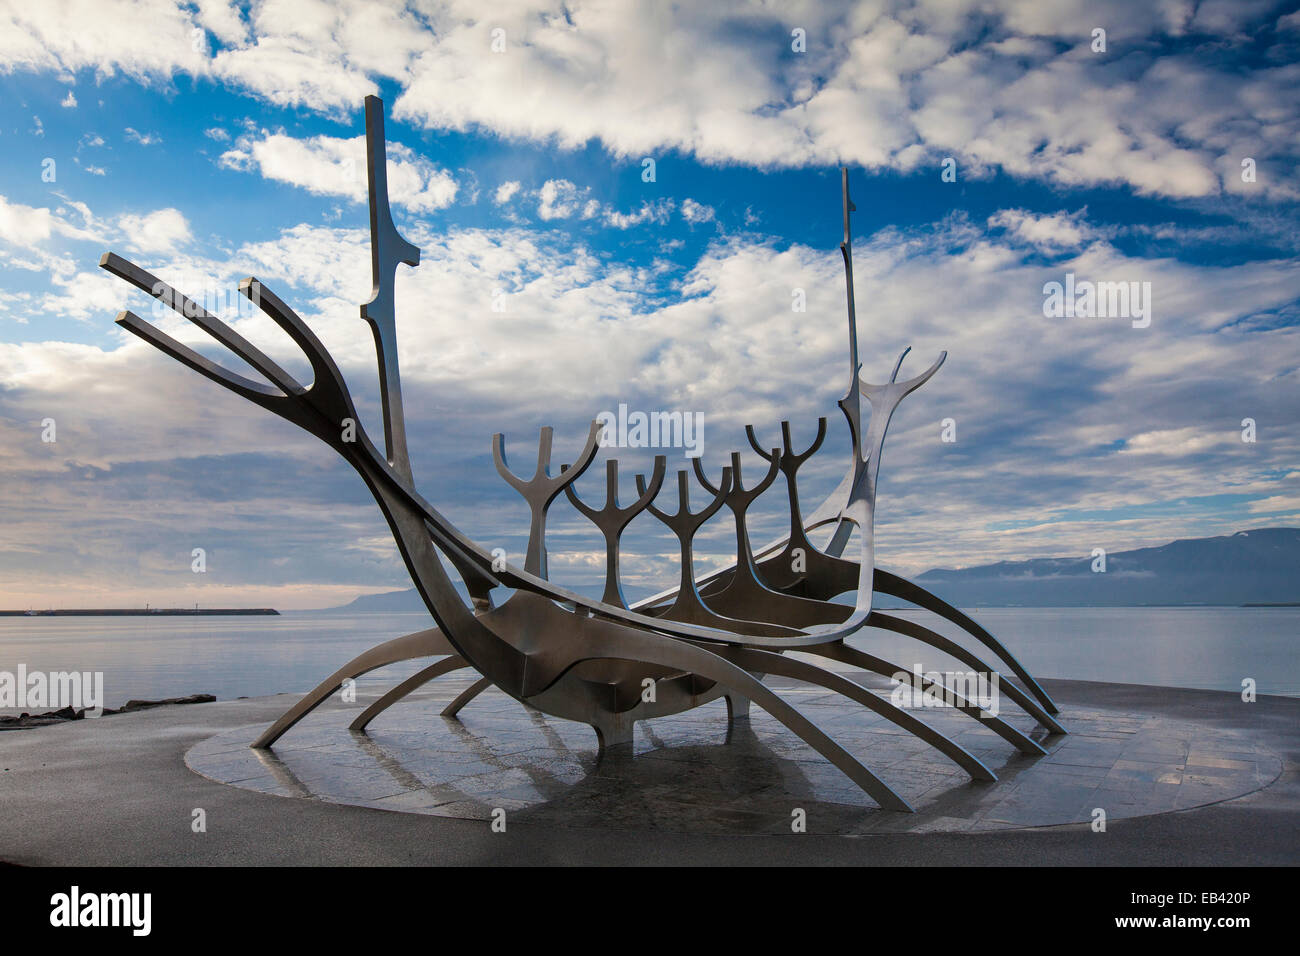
1062, 426
1159, 104
563, 294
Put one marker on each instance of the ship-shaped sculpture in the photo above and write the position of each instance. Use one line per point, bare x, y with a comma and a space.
588, 659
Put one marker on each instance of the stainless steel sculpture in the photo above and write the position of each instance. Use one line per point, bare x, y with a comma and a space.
584, 659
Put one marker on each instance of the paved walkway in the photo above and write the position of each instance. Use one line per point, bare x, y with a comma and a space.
692, 773
117, 791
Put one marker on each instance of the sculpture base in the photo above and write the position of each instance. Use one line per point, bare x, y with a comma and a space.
699, 772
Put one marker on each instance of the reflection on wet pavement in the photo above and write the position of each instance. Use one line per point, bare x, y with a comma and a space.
688, 773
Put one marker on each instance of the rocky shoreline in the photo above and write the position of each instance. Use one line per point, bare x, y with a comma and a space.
25, 721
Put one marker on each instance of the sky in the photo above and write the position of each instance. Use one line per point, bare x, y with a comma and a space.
993, 148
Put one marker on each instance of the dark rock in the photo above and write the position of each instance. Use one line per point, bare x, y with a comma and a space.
144, 704
67, 713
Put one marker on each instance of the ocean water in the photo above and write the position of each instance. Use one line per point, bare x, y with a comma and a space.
151, 658
1211, 648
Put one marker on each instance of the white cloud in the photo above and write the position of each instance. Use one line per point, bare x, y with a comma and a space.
559, 199
994, 84
14, 306
328, 166
658, 212
696, 213
165, 230
145, 39
144, 139
90, 296
69, 101
30, 227
1275, 503
1050, 233
222, 18
505, 192
22, 225
289, 73
1177, 442
890, 85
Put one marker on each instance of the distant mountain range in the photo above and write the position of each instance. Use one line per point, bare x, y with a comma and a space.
1261, 566
387, 602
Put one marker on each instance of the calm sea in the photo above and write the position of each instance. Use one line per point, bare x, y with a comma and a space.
150, 658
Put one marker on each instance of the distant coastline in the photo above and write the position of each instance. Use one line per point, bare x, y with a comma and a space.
1256, 568
142, 612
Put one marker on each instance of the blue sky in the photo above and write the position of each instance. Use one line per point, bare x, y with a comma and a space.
209, 141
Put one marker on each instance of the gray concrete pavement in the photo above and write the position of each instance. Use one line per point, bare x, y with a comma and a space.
117, 792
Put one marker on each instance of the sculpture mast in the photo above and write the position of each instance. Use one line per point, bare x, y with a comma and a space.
846, 249
387, 249
851, 403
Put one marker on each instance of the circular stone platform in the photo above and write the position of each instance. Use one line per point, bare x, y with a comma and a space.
689, 773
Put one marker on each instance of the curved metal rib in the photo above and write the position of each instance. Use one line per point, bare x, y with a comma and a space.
811, 674
254, 392
417, 680
861, 506
895, 586
878, 665
465, 696
926, 636
626, 644
328, 391
209, 323
788, 453
425, 643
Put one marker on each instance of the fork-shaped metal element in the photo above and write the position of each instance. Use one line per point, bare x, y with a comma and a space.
738, 499
325, 408
611, 519
861, 506
687, 606
540, 490
741, 594
800, 568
